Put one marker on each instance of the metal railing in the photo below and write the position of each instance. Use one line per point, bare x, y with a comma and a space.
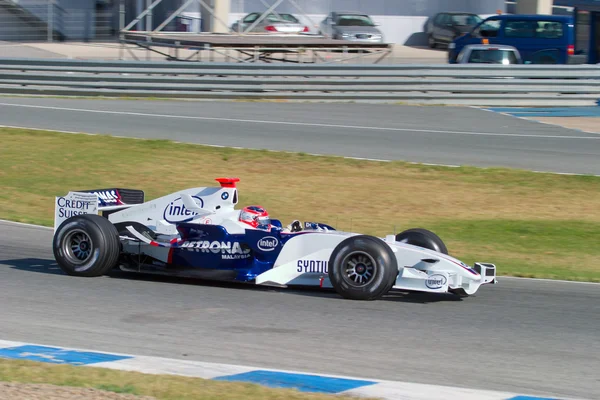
544, 85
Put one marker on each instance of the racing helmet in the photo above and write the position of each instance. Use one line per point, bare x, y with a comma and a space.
256, 216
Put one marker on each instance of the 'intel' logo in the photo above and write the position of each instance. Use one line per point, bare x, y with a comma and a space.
268, 243
435, 281
176, 211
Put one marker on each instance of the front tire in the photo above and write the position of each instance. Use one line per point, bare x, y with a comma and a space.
86, 245
362, 268
422, 238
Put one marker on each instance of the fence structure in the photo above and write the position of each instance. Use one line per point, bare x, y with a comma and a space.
485, 85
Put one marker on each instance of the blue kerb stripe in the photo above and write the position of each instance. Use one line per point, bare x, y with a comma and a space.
544, 109
301, 382
592, 111
57, 355
530, 398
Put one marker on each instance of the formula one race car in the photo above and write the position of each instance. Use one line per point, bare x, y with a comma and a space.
198, 233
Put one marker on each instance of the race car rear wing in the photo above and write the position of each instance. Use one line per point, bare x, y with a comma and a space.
94, 202
116, 197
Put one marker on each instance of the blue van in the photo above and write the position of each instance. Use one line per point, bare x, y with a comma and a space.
541, 39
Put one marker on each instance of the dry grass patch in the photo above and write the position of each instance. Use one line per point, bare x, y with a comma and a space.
161, 387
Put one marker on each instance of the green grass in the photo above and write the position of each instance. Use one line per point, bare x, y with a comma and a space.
528, 224
126, 388
162, 387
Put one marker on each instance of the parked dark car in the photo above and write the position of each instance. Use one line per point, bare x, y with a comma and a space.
444, 27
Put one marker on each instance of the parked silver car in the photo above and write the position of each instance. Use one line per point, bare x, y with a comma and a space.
271, 23
489, 54
353, 26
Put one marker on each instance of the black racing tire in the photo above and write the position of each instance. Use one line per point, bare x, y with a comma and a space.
362, 268
422, 238
86, 245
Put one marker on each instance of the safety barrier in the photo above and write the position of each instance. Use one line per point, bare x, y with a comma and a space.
528, 85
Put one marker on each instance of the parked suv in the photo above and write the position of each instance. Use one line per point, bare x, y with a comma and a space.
541, 39
446, 26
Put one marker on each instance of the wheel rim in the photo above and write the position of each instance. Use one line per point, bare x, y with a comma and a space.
359, 268
77, 246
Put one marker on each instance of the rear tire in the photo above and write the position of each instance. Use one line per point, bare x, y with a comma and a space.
422, 238
86, 245
362, 268
431, 41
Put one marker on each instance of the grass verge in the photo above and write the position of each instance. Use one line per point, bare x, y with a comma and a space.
162, 387
528, 224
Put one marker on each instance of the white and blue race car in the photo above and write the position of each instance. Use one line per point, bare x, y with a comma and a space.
198, 232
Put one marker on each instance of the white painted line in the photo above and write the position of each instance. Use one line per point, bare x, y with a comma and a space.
546, 280
4, 221
47, 130
285, 151
530, 119
307, 124
556, 124
288, 152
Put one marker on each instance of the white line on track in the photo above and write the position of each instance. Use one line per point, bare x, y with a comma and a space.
546, 280
5, 221
283, 151
267, 122
532, 119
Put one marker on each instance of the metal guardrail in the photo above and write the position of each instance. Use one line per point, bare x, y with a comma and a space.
530, 85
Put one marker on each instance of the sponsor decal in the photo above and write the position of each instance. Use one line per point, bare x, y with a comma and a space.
109, 197
317, 266
268, 243
176, 211
435, 281
224, 195
228, 250
74, 203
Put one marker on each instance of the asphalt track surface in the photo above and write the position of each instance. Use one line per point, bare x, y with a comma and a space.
524, 336
439, 135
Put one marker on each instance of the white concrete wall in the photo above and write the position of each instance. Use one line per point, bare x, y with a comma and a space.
396, 29
534, 7
401, 21
406, 30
